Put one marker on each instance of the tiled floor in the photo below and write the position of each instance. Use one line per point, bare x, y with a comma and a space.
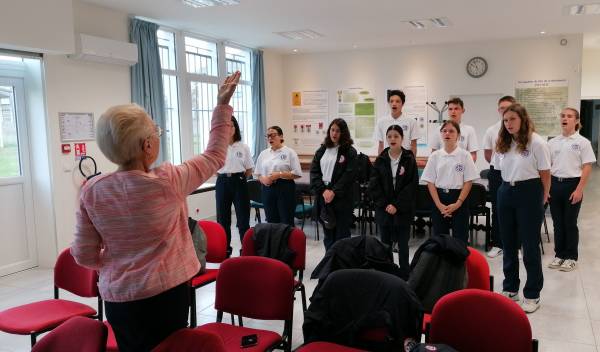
569, 318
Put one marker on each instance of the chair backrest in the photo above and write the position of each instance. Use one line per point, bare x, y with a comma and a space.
477, 320
77, 334
70, 276
191, 340
477, 196
255, 287
254, 191
216, 241
296, 242
478, 270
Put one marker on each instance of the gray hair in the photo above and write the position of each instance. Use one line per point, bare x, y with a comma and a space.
120, 132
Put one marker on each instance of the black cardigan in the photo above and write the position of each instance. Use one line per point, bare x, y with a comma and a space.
382, 191
342, 179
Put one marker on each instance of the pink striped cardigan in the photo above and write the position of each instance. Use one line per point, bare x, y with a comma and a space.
132, 225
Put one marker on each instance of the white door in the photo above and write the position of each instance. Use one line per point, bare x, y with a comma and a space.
17, 231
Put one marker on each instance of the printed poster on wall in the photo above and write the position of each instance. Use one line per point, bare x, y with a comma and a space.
310, 109
416, 107
357, 107
544, 99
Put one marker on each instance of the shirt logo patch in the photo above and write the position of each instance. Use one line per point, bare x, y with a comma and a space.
459, 168
575, 146
342, 159
462, 138
402, 170
283, 157
404, 127
525, 153
239, 154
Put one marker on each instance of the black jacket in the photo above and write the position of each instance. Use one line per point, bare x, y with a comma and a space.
383, 192
352, 301
271, 240
342, 179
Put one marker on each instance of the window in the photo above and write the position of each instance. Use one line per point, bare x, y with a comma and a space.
193, 67
10, 164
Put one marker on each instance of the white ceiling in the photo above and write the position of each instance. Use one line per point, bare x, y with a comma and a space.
346, 24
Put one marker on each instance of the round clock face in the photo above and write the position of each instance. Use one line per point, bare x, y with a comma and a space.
477, 67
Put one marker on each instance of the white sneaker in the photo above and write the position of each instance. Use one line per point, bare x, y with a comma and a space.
530, 305
494, 252
556, 263
512, 295
568, 265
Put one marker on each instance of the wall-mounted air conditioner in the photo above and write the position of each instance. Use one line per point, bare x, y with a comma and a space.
104, 50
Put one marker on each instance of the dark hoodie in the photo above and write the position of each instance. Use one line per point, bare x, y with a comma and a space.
402, 196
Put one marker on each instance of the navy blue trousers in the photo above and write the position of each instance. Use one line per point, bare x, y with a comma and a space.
564, 217
141, 325
520, 214
494, 182
458, 222
233, 190
279, 200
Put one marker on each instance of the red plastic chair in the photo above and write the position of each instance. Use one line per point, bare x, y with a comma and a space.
191, 340
77, 334
39, 317
478, 271
297, 243
475, 320
257, 288
326, 347
111, 340
216, 252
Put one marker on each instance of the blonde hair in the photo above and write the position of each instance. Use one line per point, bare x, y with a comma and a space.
121, 131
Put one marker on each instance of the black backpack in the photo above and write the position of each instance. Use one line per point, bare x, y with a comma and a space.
438, 268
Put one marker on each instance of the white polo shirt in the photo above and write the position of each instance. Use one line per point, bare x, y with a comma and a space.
238, 159
467, 141
525, 165
409, 129
569, 154
283, 159
328, 162
450, 171
489, 141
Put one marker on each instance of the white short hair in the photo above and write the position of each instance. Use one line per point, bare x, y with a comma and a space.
121, 131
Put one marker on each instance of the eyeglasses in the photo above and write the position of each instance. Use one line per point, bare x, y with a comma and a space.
271, 135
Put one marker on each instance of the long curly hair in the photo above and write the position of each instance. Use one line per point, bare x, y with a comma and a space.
523, 135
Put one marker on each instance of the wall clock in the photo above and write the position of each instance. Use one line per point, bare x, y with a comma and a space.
477, 67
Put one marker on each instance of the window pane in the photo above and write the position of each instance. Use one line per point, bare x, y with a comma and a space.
10, 164
201, 56
241, 101
172, 119
204, 99
166, 49
238, 60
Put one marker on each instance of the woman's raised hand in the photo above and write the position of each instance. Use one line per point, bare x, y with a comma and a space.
227, 88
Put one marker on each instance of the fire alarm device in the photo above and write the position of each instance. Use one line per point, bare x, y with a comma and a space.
66, 148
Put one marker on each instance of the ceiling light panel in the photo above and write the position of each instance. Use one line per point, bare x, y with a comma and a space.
440, 22
208, 3
301, 34
582, 9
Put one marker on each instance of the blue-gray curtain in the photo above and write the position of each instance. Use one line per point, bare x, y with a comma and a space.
259, 112
146, 76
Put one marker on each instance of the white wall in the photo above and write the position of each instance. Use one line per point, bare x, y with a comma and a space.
37, 26
274, 92
590, 74
79, 86
440, 68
